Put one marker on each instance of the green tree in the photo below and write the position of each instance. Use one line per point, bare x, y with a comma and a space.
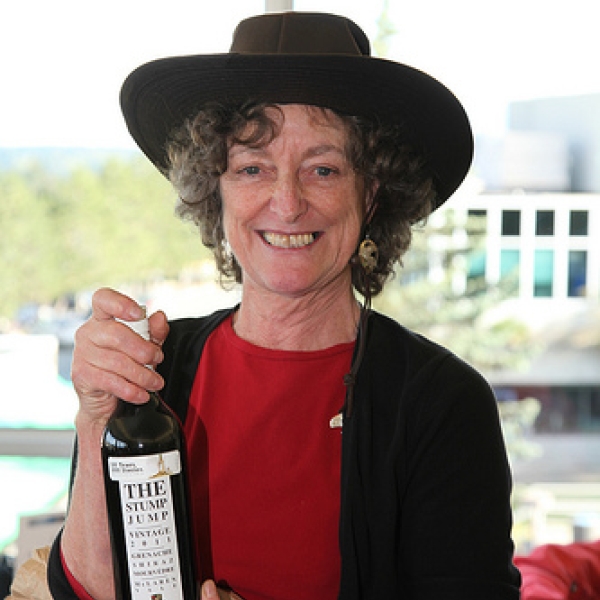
65, 232
27, 247
386, 30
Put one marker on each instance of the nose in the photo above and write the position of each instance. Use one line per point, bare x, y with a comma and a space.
287, 198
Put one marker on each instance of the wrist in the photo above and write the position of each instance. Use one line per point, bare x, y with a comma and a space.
89, 436
89, 424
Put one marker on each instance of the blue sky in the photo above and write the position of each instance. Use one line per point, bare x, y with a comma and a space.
63, 61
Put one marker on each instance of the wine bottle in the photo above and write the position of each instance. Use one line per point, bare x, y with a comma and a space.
145, 480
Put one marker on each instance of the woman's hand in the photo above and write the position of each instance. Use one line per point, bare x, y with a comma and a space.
109, 359
211, 592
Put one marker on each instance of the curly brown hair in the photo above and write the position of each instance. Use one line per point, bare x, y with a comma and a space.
405, 193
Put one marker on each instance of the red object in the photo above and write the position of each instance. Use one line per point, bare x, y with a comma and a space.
77, 587
561, 572
265, 467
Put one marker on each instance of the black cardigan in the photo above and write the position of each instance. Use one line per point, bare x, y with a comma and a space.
425, 512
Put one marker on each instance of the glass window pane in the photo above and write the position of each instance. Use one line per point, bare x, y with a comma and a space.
543, 277
577, 273
509, 266
578, 222
476, 264
511, 222
544, 222
477, 212
476, 222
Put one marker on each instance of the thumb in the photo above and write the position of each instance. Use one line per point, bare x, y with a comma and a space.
159, 327
209, 590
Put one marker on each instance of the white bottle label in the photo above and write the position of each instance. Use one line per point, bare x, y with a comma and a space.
148, 520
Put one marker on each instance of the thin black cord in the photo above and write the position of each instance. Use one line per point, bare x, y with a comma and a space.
350, 378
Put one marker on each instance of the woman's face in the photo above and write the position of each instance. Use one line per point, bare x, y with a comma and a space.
293, 208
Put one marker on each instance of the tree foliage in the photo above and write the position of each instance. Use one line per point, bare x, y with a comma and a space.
66, 232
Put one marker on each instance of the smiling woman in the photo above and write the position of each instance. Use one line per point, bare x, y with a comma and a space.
305, 162
299, 193
204, 161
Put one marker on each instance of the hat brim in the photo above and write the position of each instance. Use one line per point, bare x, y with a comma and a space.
160, 95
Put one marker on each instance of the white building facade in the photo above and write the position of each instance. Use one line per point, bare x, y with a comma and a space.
538, 190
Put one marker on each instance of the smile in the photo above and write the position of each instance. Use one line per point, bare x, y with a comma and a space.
280, 240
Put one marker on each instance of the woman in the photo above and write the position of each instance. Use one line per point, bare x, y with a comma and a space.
305, 162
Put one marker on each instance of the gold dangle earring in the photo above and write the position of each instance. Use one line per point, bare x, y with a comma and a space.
227, 253
368, 254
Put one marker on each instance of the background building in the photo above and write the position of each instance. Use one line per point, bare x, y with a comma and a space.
539, 192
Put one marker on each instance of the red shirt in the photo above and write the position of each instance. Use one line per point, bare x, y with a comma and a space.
265, 466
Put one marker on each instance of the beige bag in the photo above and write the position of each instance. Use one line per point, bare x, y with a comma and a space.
30, 582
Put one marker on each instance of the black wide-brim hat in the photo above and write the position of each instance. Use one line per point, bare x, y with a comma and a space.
302, 58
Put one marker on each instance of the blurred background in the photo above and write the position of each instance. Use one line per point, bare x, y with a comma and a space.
507, 274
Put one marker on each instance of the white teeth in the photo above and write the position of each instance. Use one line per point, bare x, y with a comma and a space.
289, 241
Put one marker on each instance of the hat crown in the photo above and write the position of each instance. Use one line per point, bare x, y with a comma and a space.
299, 33
316, 59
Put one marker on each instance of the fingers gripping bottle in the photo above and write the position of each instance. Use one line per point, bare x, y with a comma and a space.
145, 480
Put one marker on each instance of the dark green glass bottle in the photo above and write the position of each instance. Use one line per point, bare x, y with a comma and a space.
145, 480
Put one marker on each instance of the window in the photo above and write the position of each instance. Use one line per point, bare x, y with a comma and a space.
476, 222
476, 262
511, 222
577, 273
544, 222
578, 222
509, 267
543, 275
